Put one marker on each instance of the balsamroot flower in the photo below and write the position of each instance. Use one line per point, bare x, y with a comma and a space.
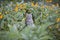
1, 16
58, 19
22, 6
48, 0
16, 8
34, 5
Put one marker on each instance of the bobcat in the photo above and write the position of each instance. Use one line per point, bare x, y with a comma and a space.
29, 20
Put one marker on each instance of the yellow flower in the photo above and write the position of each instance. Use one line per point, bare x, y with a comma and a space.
48, 0
22, 6
32, 4
36, 5
16, 9
17, 5
1, 16
58, 19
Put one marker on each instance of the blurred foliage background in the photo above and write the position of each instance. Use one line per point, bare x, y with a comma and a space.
29, 20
